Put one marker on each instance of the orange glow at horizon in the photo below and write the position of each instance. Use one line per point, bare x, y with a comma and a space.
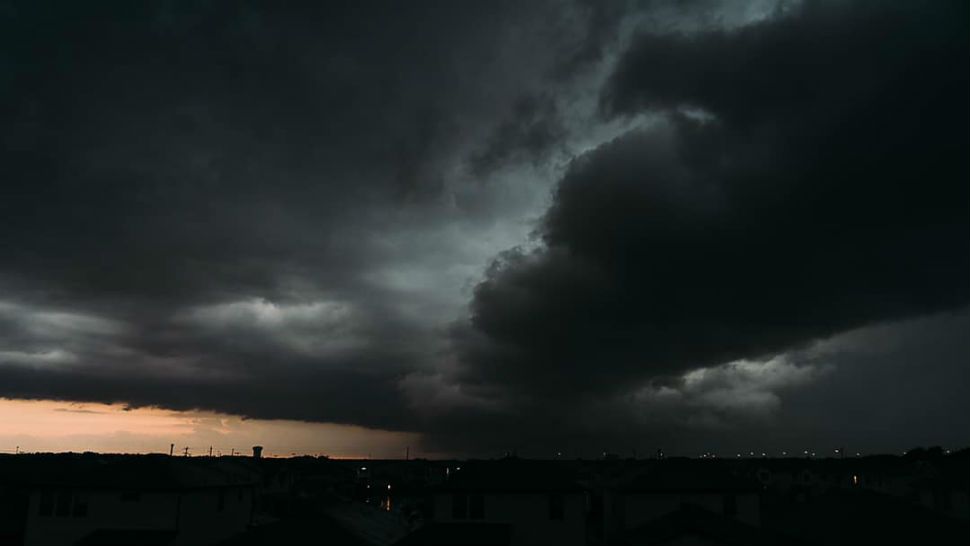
47, 425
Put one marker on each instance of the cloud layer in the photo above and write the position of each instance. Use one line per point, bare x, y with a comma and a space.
324, 213
802, 177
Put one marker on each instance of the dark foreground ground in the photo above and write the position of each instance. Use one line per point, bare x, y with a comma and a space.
93, 499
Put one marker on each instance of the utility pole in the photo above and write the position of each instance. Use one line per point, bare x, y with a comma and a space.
171, 449
186, 451
210, 451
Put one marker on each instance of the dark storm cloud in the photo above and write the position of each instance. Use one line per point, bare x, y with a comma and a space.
222, 205
807, 176
892, 387
276, 210
211, 147
253, 359
343, 396
531, 131
601, 25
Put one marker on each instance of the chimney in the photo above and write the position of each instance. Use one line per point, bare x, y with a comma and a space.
257, 452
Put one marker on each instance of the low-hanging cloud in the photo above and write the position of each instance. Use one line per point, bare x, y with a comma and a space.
802, 176
250, 207
277, 211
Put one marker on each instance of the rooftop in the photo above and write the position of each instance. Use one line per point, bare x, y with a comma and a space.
145, 472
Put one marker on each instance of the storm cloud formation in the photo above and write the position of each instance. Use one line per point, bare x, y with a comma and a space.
323, 213
806, 178
247, 197
803, 176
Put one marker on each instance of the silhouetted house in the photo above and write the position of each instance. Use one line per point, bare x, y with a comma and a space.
795, 477
890, 475
95, 499
941, 484
696, 526
944, 486
859, 517
667, 486
465, 534
510, 502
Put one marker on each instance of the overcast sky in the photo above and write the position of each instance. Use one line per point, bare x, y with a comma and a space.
489, 226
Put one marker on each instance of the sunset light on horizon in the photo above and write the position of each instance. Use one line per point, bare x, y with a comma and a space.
58, 426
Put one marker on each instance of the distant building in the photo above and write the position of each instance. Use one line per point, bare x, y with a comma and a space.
859, 516
696, 526
68, 499
666, 487
518, 503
